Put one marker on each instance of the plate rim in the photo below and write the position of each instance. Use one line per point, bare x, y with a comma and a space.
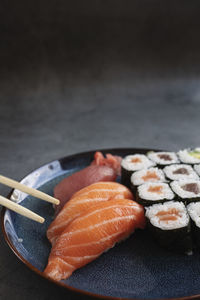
59, 283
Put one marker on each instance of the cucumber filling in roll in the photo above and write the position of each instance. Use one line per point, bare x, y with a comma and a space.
189, 156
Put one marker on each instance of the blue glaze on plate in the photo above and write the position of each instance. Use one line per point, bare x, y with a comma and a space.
136, 268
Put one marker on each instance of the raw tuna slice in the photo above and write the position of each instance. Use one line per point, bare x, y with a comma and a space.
71, 184
101, 169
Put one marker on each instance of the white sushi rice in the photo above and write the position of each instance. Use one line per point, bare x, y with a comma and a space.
194, 212
144, 193
177, 188
169, 171
182, 218
187, 158
128, 164
137, 178
155, 156
197, 169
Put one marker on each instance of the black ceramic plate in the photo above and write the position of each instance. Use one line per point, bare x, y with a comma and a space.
135, 269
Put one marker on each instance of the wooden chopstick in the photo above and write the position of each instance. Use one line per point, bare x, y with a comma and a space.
28, 190
21, 210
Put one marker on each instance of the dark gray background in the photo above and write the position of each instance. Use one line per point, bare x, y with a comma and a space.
86, 75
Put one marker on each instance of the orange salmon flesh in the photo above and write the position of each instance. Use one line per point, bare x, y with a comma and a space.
171, 214
84, 199
92, 233
150, 175
136, 160
155, 189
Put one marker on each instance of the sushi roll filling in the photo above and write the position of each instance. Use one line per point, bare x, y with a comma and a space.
168, 216
153, 191
150, 175
171, 214
182, 171
195, 153
190, 156
191, 187
186, 189
147, 175
136, 162
194, 212
163, 158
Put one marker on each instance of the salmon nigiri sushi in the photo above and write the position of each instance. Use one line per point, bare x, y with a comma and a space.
91, 234
84, 199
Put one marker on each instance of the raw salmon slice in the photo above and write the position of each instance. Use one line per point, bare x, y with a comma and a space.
91, 234
84, 199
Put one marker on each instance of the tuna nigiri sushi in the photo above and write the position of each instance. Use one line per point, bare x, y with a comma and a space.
71, 184
101, 169
84, 199
91, 234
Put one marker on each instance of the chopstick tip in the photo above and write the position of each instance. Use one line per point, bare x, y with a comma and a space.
57, 202
41, 220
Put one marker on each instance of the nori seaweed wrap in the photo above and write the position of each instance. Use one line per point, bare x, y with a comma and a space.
169, 224
180, 172
189, 156
146, 175
162, 158
194, 212
132, 163
154, 192
186, 190
197, 169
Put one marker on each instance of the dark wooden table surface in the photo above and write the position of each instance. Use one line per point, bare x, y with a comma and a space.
84, 75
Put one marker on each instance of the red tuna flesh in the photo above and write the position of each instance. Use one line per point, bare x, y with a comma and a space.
91, 174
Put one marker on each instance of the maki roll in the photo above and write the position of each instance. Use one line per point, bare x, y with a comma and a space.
197, 169
163, 158
132, 163
187, 190
194, 212
150, 193
180, 171
169, 224
189, 156
146, 175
